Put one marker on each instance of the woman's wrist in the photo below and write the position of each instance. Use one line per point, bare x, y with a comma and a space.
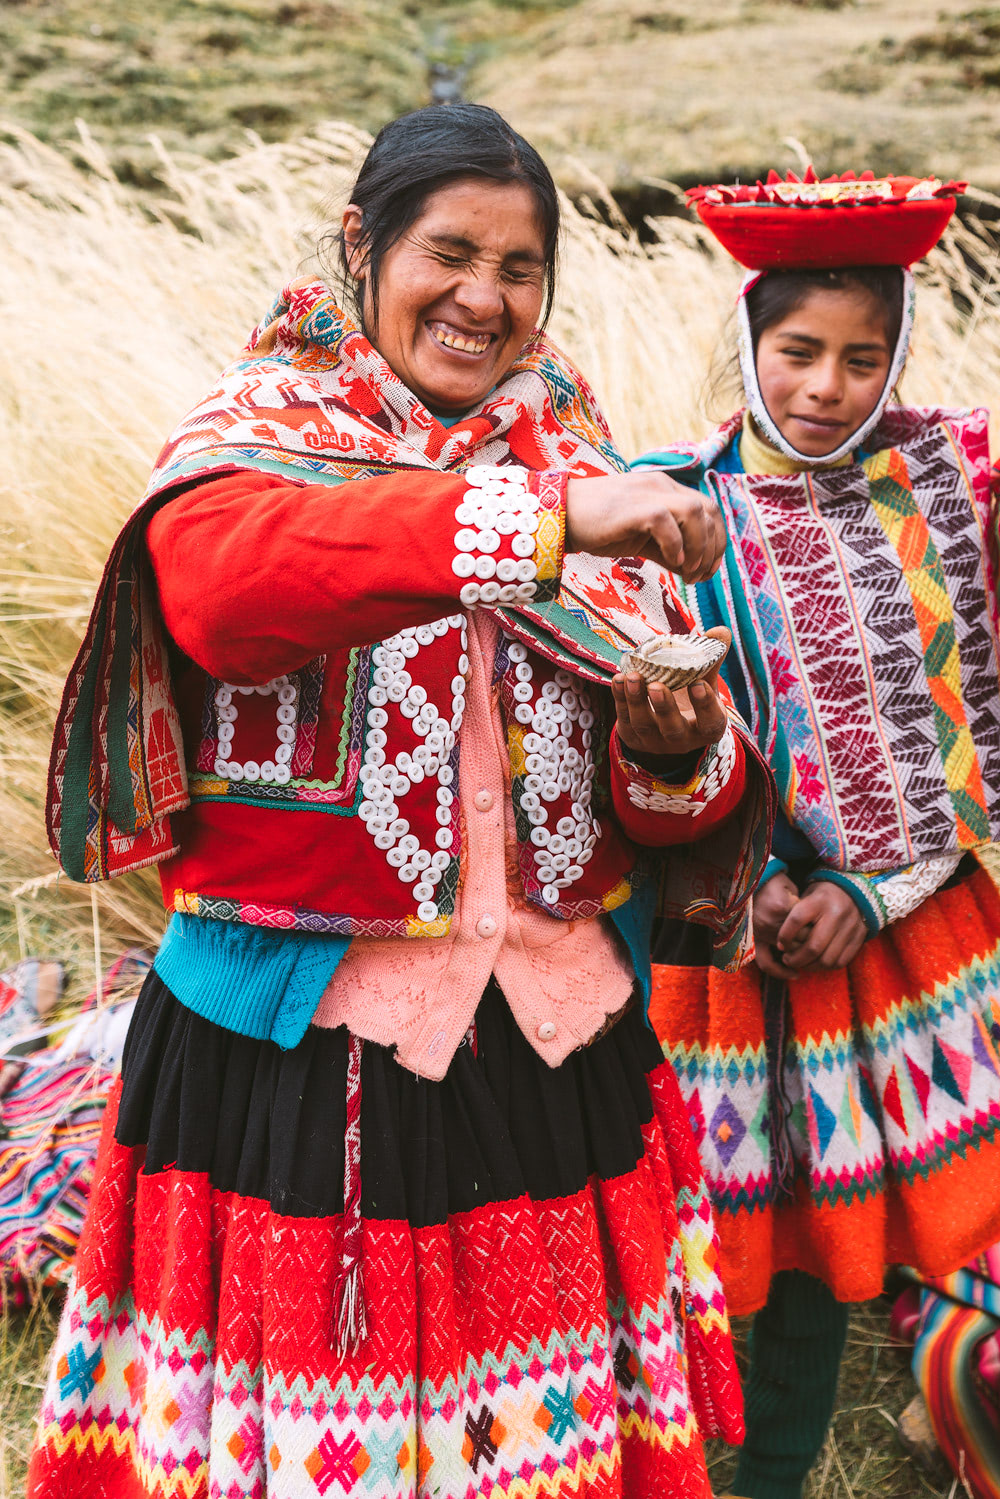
676, 770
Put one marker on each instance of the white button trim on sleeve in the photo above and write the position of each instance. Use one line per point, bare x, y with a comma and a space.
497, 506
715, 771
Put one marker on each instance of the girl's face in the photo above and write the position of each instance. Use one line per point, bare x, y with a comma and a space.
460, 292
822, 369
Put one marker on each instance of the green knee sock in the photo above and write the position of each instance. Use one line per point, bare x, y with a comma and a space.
795, 1349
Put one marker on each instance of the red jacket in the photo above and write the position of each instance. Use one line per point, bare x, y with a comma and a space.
323, 631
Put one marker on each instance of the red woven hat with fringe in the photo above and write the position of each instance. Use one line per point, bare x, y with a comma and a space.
792, 222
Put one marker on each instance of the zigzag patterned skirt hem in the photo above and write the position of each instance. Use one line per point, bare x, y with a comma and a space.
890, 1097
545, 1318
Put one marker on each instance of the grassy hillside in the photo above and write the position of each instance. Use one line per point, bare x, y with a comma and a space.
636, 90
202, 73
690, 92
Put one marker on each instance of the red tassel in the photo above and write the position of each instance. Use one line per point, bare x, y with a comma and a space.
350, 1322
350, 1326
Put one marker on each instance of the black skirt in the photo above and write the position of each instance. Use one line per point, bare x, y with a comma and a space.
270, 1124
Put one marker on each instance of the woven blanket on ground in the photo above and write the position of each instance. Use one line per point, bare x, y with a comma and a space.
50, 1123
863, 600
544, 1312
310, 399
890, 1082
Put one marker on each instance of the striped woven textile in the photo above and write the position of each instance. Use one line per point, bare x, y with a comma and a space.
954, 1322
52, 1122
50, 1125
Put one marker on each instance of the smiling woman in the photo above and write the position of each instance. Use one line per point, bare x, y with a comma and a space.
397, 1194
461, 290
444, 261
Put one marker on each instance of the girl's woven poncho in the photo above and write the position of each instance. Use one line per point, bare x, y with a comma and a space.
863, 606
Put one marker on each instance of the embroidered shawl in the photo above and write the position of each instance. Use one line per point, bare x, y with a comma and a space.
312, 399
864, 611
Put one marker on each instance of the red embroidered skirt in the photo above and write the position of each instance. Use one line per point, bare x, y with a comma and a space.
539, 1267
890, 1095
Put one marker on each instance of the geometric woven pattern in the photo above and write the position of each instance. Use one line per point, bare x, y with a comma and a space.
577, 1346
891, 1101
865, 596
894, 503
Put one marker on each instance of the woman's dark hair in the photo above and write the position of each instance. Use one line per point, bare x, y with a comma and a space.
780, 293
420, 152
776, 296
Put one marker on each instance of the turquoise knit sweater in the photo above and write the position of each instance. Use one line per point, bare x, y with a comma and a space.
266, 983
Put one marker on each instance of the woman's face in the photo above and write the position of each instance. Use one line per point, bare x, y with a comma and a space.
822, 369
460, 292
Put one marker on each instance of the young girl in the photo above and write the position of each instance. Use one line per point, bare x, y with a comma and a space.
845, 1088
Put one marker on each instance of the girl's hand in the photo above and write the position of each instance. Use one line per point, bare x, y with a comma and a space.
770, 907
823, 931
656, 721
646, 514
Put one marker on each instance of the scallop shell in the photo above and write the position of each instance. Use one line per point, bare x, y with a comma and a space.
674, 660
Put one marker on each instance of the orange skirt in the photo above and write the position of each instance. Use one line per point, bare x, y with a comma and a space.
882, 1091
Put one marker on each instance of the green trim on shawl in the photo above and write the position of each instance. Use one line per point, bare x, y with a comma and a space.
560, 635
76, 789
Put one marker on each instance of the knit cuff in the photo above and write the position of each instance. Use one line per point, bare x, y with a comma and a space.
771, 868
862, 891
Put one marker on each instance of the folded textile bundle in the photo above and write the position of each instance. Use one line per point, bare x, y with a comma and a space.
51, 1104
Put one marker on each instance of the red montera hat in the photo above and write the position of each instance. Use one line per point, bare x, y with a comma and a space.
784, 224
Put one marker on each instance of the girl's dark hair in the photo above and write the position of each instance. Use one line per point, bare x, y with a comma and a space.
413, 156
776, 296
780, 293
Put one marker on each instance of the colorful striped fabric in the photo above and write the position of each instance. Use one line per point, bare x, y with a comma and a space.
956, 1362
52, 1121
50, 1125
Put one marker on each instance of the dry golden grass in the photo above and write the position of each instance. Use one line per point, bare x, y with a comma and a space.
118, 312
676, 88
639, 88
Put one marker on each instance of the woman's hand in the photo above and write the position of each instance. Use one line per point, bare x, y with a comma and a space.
771, 905
824, 930
646, 514
656, 721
